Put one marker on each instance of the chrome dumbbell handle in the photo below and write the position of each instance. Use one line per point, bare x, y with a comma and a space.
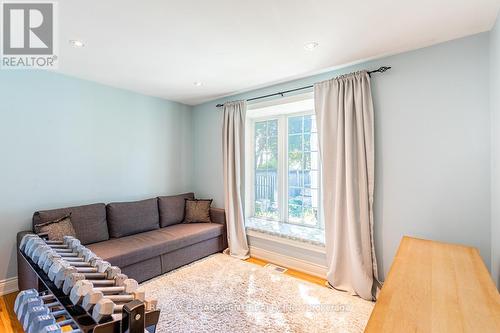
103, 283
56, 246
95, 276
149, 304
80, 263
54, 242
125, 297
110, 290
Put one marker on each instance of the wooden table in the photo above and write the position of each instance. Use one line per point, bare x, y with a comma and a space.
436, 287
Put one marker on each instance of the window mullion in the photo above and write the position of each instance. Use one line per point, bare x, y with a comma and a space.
282, 163
250, 170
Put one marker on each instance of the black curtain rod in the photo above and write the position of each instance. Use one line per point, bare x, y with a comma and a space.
281, 93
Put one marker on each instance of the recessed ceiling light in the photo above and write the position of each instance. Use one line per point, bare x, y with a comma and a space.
76, 43
197, 84
311, 46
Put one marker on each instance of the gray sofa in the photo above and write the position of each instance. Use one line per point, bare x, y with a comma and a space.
144, 238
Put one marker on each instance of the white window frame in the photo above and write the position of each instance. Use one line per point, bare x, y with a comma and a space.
282, 165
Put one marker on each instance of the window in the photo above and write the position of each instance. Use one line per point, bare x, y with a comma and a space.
303, 170
283, 170
266, 169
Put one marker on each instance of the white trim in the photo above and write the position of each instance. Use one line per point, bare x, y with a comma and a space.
249, 168
289, 262
8, 286
290, 104
286, 241
282, 168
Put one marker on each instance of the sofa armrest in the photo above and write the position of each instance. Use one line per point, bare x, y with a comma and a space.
26, 277
218, 215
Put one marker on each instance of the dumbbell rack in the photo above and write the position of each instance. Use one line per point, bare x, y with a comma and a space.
128, 322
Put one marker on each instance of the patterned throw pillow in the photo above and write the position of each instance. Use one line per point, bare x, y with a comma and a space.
56, 229
198, 210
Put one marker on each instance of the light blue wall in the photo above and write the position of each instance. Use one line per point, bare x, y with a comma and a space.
65, 141
432, 145
495, 150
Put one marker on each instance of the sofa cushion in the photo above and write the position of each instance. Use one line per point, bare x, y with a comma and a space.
172, 208
89, 221
186, 234
132, 249
129, 218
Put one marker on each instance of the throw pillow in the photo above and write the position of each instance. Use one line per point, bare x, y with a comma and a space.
197, 210
57, 228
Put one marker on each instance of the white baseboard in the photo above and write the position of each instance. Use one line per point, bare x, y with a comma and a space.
289, 262
8, 286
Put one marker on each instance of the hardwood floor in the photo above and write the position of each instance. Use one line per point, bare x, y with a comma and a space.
10, 324
291, 272
8, 320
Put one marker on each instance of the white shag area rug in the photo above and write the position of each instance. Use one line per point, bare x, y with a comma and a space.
223, 294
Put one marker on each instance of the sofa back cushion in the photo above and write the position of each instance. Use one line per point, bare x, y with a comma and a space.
172, 208
89, 221
129, 218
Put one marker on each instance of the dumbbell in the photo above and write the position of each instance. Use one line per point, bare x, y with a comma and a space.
43, 322
33, 242
26, 299
66, 246
23, 295
39, 310
80, 288
70, 249
36, 248
94, 296
27, 237
72, 279
126, 286
39, 249
50, 255
149, 305
49, 259
67, 269
56, 328
30, 303
103, 309
53, 260
60, 269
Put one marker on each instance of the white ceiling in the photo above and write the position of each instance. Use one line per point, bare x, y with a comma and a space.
160, 47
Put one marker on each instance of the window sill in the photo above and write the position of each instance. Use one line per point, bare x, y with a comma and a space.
292, 232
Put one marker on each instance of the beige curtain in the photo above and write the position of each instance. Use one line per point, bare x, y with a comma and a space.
344, 114
233, 147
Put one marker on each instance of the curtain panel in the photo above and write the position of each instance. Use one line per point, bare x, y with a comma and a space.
233, 148
344, 115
